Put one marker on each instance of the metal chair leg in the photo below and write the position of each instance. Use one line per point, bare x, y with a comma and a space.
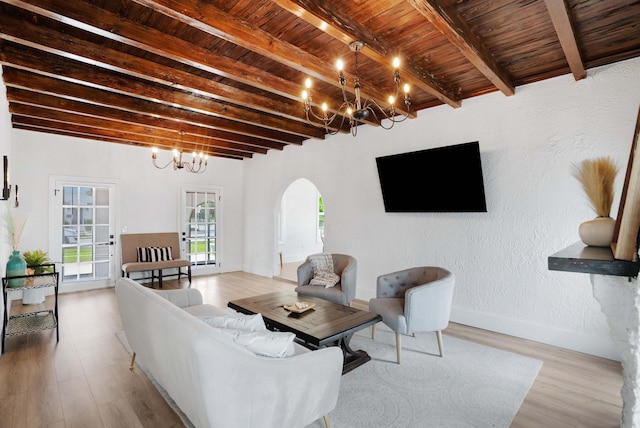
439, 336
398, 346
133, 359
326, 421
373, 332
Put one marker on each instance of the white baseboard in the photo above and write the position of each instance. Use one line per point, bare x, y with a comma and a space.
597, 345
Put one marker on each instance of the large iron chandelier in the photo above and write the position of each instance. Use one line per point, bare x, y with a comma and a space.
357, 111
197, 165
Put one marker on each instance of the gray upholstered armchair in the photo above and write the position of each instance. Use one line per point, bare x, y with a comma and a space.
343, 292
414, 300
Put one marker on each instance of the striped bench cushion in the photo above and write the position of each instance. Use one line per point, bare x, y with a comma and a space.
154, 254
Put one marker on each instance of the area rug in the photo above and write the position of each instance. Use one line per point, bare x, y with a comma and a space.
471, 386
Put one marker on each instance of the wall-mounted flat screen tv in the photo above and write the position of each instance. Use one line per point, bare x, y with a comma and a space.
443, 179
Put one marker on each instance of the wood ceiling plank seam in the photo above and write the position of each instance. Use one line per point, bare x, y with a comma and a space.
64, 44
213, 21
343, 29
563, 23
16, 95
445, 19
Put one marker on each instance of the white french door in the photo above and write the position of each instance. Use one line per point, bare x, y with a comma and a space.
83, 224
200, 225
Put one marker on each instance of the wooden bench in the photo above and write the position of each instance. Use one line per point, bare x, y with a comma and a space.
130, 242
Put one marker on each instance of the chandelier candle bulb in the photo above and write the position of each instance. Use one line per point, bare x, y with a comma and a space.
396, 63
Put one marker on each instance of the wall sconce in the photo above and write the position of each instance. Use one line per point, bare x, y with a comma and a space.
6, 189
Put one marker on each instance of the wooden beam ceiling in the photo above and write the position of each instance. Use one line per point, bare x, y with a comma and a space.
562, 22
225, 77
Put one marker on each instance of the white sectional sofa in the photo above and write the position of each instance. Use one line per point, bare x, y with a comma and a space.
215, 381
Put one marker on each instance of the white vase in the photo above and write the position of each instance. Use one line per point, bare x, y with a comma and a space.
597, 232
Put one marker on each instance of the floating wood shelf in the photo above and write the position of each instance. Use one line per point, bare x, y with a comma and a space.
599, 260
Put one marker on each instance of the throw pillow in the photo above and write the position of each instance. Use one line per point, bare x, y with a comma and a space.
325, 279
158, 254
321, 262
237, 322
267, 343
142, 254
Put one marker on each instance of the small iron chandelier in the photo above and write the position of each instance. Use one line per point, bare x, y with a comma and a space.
197, 165
357, 111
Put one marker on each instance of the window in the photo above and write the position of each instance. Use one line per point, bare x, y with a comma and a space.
320, 220
201, 225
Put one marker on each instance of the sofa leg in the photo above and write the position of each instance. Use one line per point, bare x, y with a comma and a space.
133, 359
326, 421
398, 346
439, 336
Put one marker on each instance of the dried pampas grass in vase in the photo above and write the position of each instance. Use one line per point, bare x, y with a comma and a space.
597, 177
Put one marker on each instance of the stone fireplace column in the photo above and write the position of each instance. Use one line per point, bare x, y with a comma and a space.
619, 298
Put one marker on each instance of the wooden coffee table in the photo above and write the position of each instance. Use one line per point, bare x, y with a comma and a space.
326, 324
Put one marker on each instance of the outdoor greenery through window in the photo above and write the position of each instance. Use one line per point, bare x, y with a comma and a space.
320, 219
85, 233
201, 214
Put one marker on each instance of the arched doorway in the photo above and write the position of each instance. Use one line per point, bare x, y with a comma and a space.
300, 226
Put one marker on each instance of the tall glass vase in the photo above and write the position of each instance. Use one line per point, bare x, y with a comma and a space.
16, 266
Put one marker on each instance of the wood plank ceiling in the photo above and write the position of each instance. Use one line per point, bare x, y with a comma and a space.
225, 77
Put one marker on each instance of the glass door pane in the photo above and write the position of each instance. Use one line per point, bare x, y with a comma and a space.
200, 215
86, 237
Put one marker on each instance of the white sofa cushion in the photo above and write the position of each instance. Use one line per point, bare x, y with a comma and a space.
267, 343
242, 322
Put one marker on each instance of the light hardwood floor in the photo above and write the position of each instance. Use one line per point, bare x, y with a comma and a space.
83, 381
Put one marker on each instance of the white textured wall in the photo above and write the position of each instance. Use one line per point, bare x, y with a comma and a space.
528, 143
299, 216
5, 149
147, 198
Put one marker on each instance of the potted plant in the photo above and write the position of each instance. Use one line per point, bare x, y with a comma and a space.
36, 261
597, 177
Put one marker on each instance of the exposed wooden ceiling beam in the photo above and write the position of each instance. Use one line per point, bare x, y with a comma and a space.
99, 21
51, 85
213, 21
321, 16
128, 118
157, 136
49, 64
141, 140
37, 35
562, 22
68, 133
443, 17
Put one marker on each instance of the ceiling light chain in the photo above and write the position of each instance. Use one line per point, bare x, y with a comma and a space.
190, 166
357, 111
